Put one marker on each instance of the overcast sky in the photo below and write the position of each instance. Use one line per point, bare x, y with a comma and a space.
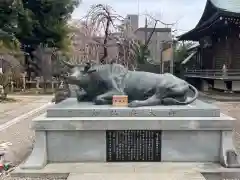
186, 12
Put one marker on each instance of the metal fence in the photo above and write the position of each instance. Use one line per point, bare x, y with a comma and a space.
212, 73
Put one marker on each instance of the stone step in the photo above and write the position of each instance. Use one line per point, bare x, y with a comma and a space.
171, 175
62, 170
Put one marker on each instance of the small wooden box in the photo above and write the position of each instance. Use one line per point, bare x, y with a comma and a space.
120, 100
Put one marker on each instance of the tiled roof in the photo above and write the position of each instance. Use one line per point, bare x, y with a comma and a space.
214, 9
227, 5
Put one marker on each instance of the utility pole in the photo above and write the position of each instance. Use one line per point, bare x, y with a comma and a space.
161, 61
172, 58
145, 30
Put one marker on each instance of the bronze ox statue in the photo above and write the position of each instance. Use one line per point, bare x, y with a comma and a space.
98, 83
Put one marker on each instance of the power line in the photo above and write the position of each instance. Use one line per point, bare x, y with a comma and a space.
138, 7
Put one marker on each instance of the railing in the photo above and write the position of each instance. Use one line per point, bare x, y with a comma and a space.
212, 73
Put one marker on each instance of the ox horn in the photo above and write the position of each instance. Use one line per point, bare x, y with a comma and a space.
68, 64
87, 67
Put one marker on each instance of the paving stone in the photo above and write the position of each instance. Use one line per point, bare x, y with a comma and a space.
136, 176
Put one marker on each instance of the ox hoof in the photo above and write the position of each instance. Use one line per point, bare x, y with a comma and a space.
99, 101
134, 104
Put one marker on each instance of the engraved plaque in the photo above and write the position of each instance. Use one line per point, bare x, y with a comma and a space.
171, 113
151, 113
133, 113
133, 145
114, 113
95, 113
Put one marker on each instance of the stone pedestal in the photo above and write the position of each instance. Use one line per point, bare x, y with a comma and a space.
236, 86
72, 132
220, 84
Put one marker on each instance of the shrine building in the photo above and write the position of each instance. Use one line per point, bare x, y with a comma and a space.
216, 61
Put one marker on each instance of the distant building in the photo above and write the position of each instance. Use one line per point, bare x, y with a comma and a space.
159, 37
87, 46
160, 54
218, 35
132, 22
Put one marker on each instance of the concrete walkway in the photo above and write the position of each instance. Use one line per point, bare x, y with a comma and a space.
23, 105
15, 123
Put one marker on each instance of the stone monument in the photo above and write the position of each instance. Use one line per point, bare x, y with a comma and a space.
94, 131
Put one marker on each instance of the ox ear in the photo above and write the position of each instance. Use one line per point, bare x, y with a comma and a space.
87, 69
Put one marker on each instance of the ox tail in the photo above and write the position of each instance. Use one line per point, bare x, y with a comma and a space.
172, 101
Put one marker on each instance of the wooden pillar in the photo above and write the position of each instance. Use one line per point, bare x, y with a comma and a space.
231, 46
214, 54
202, 56
228, 58
228, 48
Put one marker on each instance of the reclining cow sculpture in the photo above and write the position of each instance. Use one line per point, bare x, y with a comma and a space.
98, 83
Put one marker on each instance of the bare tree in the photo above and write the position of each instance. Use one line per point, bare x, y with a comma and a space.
85, 44
142, 49
103, 17
155, 22
98, 28
127, 41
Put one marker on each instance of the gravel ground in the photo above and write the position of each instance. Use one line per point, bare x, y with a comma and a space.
22, 137
232, 109
229, 108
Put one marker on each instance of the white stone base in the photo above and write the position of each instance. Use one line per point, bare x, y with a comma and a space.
220, 84
204, 85
188, 139
38, 157
235, 85
90, 146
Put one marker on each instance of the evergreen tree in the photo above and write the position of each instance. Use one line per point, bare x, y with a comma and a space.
42, 22
8, 23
